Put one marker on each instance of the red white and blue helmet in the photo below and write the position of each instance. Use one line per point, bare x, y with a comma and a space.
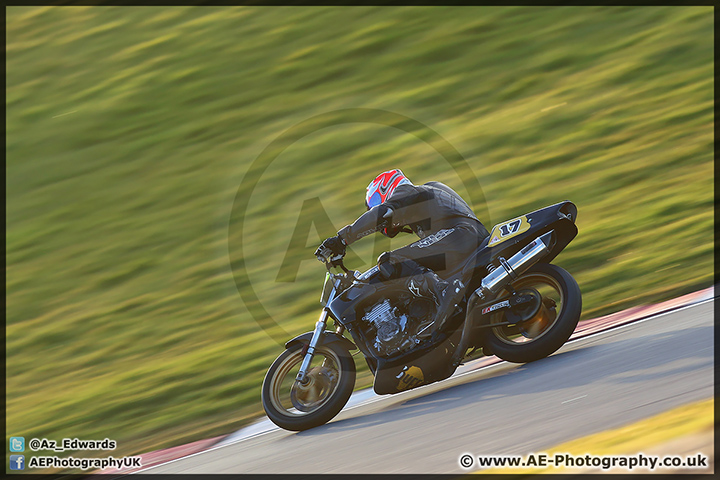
383, 186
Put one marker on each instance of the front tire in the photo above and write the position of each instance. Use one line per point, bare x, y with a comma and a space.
547, 331
294, 407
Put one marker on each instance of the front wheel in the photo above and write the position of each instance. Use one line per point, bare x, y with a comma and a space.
549, 328
293, 406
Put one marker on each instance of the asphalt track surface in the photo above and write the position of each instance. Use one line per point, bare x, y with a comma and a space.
591, 384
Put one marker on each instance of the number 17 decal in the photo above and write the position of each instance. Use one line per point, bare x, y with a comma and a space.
509, 229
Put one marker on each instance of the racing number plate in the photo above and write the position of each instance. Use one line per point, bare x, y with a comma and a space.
507, 230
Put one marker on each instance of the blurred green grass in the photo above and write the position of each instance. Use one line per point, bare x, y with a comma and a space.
129, 131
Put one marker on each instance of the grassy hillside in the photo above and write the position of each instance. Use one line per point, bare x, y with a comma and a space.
129, 131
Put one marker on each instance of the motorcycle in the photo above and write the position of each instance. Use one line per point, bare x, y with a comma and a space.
513, 303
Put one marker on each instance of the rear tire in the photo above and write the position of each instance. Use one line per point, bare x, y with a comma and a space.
279, 381
512, 345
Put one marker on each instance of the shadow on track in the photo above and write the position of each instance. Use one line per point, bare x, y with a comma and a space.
654, 356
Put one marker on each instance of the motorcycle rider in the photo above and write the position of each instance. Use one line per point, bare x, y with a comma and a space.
448, 229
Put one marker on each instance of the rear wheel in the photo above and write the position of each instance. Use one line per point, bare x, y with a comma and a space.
293, 406
547, 330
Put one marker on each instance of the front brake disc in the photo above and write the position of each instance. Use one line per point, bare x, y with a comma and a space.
307, 397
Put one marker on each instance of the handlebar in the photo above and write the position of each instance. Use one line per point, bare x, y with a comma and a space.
330, 262
336, 261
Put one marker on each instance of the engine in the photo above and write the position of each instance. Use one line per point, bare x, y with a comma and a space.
393, 328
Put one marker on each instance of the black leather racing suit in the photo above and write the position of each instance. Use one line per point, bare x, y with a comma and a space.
448, 229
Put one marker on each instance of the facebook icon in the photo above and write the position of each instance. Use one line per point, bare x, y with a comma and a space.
17, 462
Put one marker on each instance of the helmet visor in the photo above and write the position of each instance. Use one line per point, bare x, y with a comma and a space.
374, 200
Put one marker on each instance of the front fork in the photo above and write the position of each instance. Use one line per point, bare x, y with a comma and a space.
310, 352
317, 334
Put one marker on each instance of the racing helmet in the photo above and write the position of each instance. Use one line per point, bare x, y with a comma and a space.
383, 186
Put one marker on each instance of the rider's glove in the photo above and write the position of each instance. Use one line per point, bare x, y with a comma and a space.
331, 247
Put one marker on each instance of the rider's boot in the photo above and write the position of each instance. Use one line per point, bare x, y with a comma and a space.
444, 294
423, 282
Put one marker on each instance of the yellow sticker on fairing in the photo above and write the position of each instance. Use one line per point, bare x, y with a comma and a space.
410, 378
506, 230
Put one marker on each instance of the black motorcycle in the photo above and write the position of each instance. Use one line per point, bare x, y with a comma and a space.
513, 304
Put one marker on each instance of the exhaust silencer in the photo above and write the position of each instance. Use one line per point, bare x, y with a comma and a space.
515, 266
497, 279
